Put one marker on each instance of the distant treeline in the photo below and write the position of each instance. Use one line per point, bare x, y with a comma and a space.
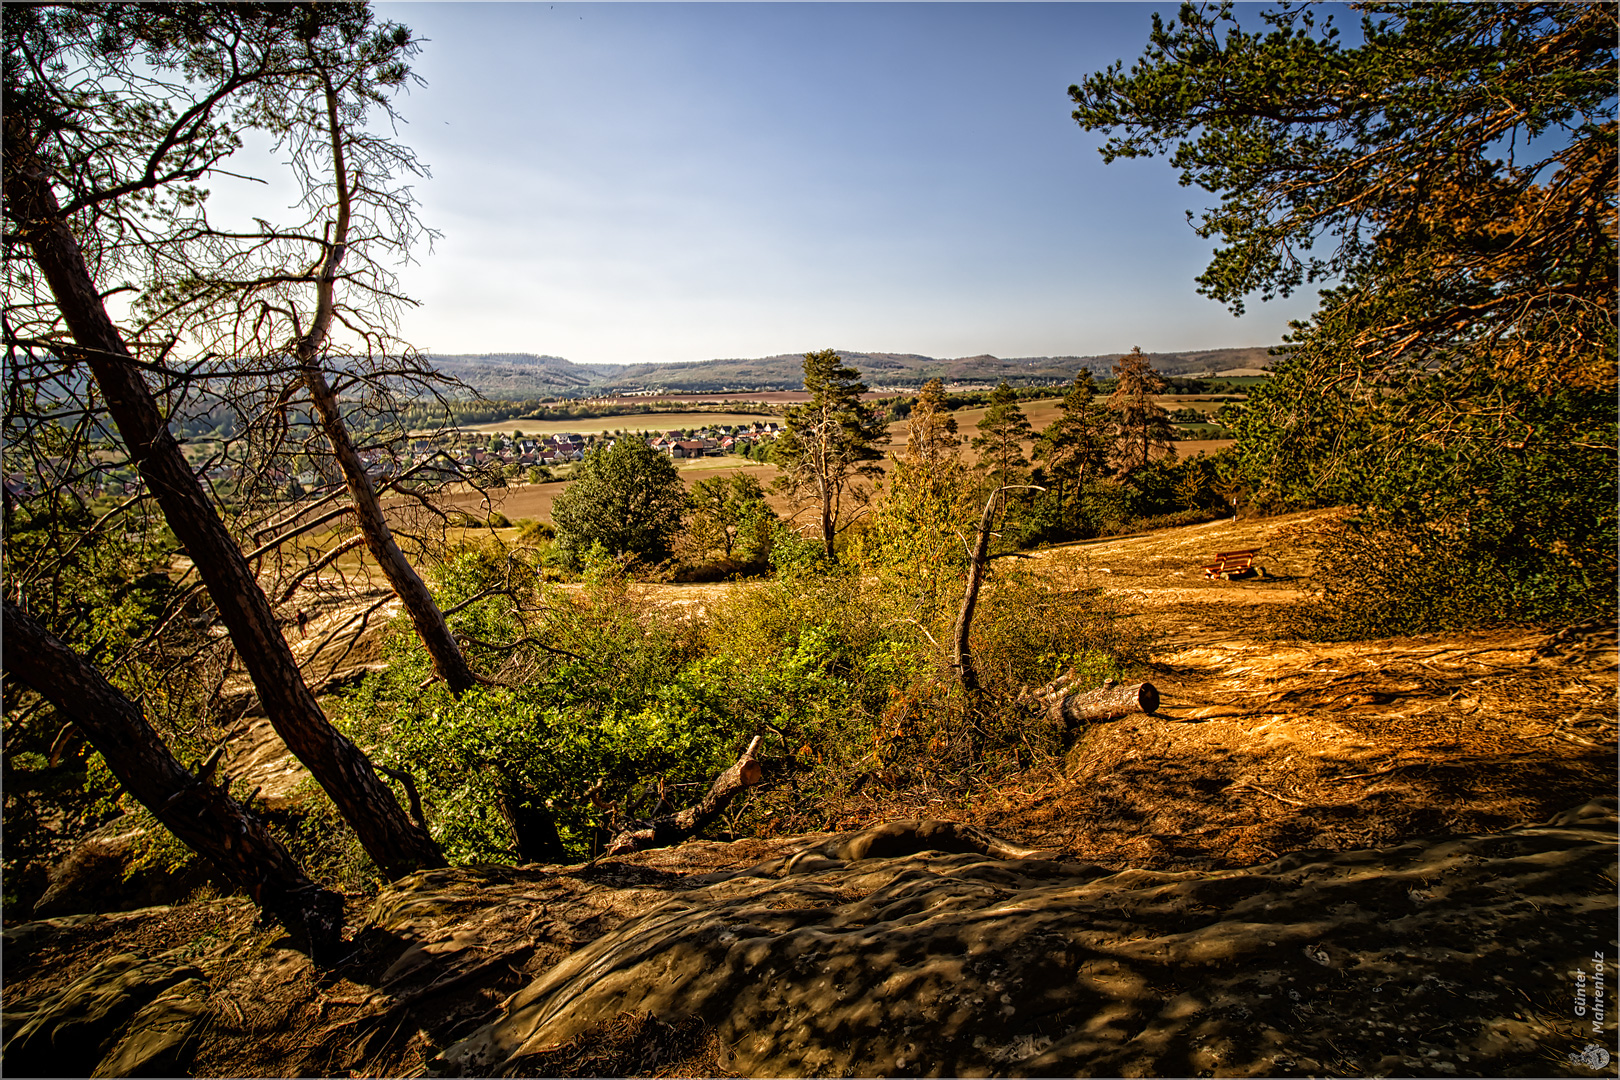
427, 415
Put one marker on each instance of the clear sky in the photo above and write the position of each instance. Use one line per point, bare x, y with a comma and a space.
664, 182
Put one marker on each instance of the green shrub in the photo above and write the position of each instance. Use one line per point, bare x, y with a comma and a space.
1385, 579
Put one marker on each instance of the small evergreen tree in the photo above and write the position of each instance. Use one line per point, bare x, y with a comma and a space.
829, 444
1142, 425
932, 439
1001, 436
1075, 445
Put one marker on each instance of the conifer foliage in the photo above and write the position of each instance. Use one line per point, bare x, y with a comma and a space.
829, 446
1002, 433
1075, 446
1452, 179
1142, 425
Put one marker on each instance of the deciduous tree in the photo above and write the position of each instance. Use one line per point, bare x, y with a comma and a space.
729, 514
629, 498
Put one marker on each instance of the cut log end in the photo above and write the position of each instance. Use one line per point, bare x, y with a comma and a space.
1105, 703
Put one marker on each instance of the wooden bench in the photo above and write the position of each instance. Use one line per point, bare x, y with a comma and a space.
1230, 564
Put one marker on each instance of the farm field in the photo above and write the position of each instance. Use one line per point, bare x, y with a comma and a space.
663, 421
522, 500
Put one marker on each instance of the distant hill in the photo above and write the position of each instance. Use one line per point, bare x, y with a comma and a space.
516, 376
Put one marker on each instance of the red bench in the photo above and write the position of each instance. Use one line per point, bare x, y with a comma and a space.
1231, 564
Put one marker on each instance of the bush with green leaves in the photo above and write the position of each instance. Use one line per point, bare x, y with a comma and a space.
602, 698
628, 497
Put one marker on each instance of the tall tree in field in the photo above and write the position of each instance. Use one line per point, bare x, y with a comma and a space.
1451, 178
829, 444
1003, 430
1141, 424
118, 110
931, 439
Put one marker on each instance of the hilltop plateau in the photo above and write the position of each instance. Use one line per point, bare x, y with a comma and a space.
1386, 856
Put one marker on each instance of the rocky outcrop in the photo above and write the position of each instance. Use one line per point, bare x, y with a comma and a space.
1453, 956
127, 1016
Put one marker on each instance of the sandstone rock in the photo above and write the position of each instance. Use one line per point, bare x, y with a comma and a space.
160, 1039
111, 1018
965, 964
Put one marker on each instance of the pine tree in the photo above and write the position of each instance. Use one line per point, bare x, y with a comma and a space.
1075, 446
932, 439
1003, 431
1142, 425
830, 443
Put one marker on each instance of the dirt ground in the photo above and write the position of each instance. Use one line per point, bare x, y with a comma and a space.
1280, 761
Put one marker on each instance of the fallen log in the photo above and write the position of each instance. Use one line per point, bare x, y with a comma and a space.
1108, 702
673, 828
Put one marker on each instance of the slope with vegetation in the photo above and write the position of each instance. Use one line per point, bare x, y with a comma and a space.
1377, 768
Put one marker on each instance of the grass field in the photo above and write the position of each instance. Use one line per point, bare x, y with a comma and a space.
649, 422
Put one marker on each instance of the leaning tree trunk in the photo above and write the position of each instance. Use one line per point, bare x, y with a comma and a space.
203, 816
448, 660
966, 669
394, 842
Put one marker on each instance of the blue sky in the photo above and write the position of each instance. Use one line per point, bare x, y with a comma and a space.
667, 182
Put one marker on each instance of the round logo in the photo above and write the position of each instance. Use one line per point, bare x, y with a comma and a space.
1592, 1056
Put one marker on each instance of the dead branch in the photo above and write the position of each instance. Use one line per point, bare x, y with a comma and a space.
673, 828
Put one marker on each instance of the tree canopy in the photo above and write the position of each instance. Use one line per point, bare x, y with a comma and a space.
1002, 432
829, 444
1142, 425
629, 498
1462, 152
1451, 181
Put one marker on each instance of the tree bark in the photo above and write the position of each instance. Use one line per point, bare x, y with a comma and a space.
966, 670
204, 817
673, 828
1108, 702
448, 660
534, 831
389, 837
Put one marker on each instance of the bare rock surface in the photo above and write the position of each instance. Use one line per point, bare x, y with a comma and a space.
130, 1015
1430, 958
